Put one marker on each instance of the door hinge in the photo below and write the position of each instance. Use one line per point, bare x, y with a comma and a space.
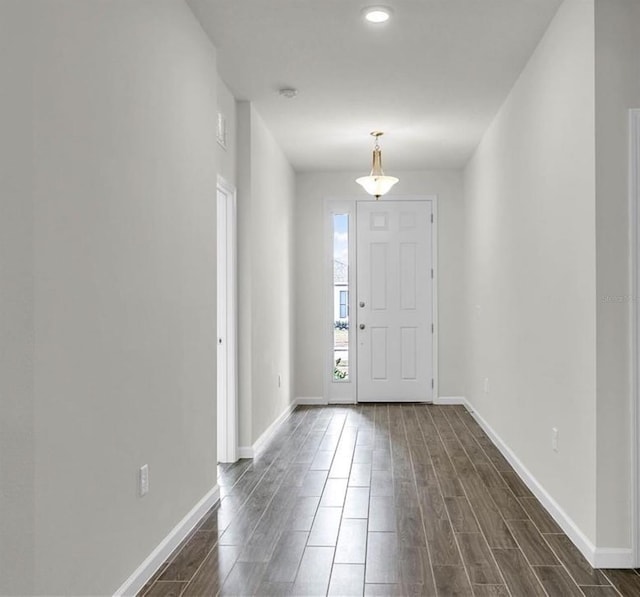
432, 218
432, 384
432, 329
432, 273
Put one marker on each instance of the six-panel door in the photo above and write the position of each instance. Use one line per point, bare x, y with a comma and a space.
394, 301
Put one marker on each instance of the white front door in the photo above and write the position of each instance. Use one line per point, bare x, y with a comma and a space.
394, 303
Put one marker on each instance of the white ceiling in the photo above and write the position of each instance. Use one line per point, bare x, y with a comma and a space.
432, 77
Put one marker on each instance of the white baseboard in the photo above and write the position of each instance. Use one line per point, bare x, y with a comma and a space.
245, 451
598, 557
157, 557
311, 401
611, 557
263, 440
450, 400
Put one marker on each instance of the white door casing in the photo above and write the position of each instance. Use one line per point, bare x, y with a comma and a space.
634, 203
227, 381
394, 304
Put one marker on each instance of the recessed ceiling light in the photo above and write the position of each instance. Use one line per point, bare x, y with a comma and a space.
377, 14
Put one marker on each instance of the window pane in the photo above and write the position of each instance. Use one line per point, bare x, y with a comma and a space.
341, 297
344, 304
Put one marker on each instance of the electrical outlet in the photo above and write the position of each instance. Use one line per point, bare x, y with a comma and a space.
554, 439
486, 385
143, 480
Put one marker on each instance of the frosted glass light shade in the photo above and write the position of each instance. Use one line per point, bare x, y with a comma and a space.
377, 185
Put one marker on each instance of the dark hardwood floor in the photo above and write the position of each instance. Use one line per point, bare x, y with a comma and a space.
380, 500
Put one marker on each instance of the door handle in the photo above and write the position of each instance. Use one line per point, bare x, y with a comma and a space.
362, 326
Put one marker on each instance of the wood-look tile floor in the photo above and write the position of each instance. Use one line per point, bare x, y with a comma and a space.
380, 500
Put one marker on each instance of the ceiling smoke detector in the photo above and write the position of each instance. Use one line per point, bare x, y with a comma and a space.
288, 92
377, 14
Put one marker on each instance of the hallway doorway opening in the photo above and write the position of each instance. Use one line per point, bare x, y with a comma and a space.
226, 325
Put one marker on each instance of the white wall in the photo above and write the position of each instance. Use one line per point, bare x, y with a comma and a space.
227, 157
245, 273
16, 300
265, 234
617, 90
531, 283
125, 187
311, 190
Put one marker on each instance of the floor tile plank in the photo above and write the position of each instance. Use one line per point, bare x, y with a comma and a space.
324, 532
601, 591
516, 484
213, 571
490, 591
415, 568
452, 581
347, 580
352, 542
382, 558
574, 562
360, 475
532, 544
302, 514
314, 572
556, 581
164, 588
382, 516
540, 517
478, 559
517, 573
461, 515
287, 555
334, 493
356, 504
187, 561
244, 579
626, 581
507, 504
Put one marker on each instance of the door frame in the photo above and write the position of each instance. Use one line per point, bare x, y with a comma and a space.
337, 392
226, 311
634, 204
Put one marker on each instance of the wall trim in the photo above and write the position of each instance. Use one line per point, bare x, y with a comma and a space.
598, 557
245, 451
227, 321
451, 400
612, 557
312, 401
165, 548
253, 450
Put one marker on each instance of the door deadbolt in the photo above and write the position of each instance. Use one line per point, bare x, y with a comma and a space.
362, 326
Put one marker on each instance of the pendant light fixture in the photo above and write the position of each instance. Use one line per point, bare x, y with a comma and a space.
377, 184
